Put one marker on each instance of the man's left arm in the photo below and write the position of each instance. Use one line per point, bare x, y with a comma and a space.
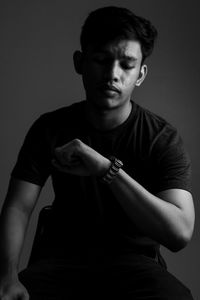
167, 217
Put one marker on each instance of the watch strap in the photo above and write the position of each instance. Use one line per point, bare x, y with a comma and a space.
116, 165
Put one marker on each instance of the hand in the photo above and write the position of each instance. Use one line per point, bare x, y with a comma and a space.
78, 158
12, 289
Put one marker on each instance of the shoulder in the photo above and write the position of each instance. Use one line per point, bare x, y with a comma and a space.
154, 127
151, 119
63, 112
59, 117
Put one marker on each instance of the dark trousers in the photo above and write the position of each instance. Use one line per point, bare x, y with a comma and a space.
135, 277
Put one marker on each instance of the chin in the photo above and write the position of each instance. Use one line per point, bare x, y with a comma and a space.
106, 103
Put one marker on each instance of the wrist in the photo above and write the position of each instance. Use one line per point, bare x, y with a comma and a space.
9, 276
112, 172
8, 270
104, 168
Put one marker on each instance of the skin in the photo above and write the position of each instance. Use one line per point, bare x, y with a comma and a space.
20, 201
169, 216
117, 65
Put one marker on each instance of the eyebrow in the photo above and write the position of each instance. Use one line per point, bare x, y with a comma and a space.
124, 56
129, 58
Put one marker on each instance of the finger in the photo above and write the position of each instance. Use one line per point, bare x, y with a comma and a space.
64, 153
56, 164
66, 158
22, 296
60, 167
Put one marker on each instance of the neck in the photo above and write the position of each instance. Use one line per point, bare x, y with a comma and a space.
107, 119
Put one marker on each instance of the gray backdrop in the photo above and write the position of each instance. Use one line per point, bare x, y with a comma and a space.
37, 40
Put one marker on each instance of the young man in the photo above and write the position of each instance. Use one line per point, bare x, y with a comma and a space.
121, 179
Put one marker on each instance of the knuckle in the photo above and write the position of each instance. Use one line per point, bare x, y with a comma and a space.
77, 142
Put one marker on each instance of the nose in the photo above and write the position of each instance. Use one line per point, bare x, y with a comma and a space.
113, 72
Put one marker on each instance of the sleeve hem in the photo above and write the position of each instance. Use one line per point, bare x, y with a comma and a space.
28, 179
173, 186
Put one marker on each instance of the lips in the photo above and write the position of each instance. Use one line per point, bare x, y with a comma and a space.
109, 88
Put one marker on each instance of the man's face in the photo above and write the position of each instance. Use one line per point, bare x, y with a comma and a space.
110, 73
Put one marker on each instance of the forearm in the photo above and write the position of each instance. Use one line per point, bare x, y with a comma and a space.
156, 218
12, 231
166, 220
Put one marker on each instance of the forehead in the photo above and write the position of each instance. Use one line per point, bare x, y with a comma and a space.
119, 48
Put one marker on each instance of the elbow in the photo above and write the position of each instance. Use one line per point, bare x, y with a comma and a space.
178, 245
182, 235
180, 241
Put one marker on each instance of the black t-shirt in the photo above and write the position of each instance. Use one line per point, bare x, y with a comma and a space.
85, 212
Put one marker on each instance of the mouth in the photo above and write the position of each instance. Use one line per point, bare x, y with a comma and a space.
111, 89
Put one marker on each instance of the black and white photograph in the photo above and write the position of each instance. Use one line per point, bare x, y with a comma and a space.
100, 144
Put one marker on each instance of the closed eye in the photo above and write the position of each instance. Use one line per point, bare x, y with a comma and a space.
127, 66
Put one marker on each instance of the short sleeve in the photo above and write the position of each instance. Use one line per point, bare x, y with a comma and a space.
171, 162
33, 162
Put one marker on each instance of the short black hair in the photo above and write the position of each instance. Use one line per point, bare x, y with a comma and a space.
109, 23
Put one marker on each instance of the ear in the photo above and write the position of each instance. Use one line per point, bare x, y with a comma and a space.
78, 61
142, 75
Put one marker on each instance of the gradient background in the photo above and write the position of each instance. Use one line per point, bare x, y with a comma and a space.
37, 41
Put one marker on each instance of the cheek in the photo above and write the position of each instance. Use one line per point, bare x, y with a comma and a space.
90, 79
91, 74
130, 79
130, 82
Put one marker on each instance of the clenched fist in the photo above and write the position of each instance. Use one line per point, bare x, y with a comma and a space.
78, 158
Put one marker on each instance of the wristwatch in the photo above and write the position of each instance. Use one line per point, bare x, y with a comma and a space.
116, 165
